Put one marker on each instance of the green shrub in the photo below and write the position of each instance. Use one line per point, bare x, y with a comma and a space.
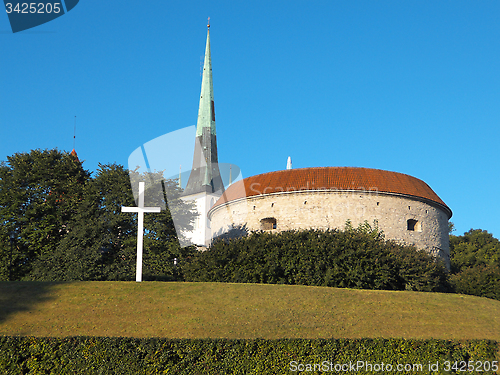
353, 258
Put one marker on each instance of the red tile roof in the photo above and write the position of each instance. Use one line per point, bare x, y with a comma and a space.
331, 178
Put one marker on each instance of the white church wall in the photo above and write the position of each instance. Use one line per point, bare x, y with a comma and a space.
202, 233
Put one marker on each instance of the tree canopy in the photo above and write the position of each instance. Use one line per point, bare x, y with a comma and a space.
68, 225
39, 193
475, 247
475, 264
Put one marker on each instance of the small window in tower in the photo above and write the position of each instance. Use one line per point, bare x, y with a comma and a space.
268, 223
272, 204
378, 203
254, 207
414, 225
409, 207
305, 202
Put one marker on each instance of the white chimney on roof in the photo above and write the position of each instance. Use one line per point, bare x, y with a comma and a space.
289, 163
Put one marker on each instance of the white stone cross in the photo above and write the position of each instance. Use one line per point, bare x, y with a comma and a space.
140, 209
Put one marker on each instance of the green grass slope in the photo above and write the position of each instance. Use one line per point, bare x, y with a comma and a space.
218, 310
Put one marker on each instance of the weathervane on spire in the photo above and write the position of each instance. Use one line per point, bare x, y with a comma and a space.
208, 25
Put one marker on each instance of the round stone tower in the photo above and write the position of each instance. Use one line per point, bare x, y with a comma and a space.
405, 208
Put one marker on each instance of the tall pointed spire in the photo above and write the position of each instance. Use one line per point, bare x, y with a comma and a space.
205, 174
206, 111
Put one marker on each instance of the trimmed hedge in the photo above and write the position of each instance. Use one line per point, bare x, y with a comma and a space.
107, 355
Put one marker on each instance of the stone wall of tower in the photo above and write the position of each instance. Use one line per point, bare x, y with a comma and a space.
404, 219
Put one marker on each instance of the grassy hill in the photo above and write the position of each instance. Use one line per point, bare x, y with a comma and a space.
218, 310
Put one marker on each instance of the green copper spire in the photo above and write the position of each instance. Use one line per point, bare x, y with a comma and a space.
205, 175
206, 112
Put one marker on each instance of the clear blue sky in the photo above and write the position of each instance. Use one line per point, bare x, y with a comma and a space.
405, 86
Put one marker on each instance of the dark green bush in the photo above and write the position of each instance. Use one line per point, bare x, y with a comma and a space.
482, 281
352, 258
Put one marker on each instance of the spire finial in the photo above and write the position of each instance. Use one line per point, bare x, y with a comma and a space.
208, 25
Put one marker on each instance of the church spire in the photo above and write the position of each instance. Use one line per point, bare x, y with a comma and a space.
206, 111
205, 174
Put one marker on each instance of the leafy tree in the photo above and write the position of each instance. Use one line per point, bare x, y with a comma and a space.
39, 193
475, 264
474, 248
99, 236
451, 227
101, 240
